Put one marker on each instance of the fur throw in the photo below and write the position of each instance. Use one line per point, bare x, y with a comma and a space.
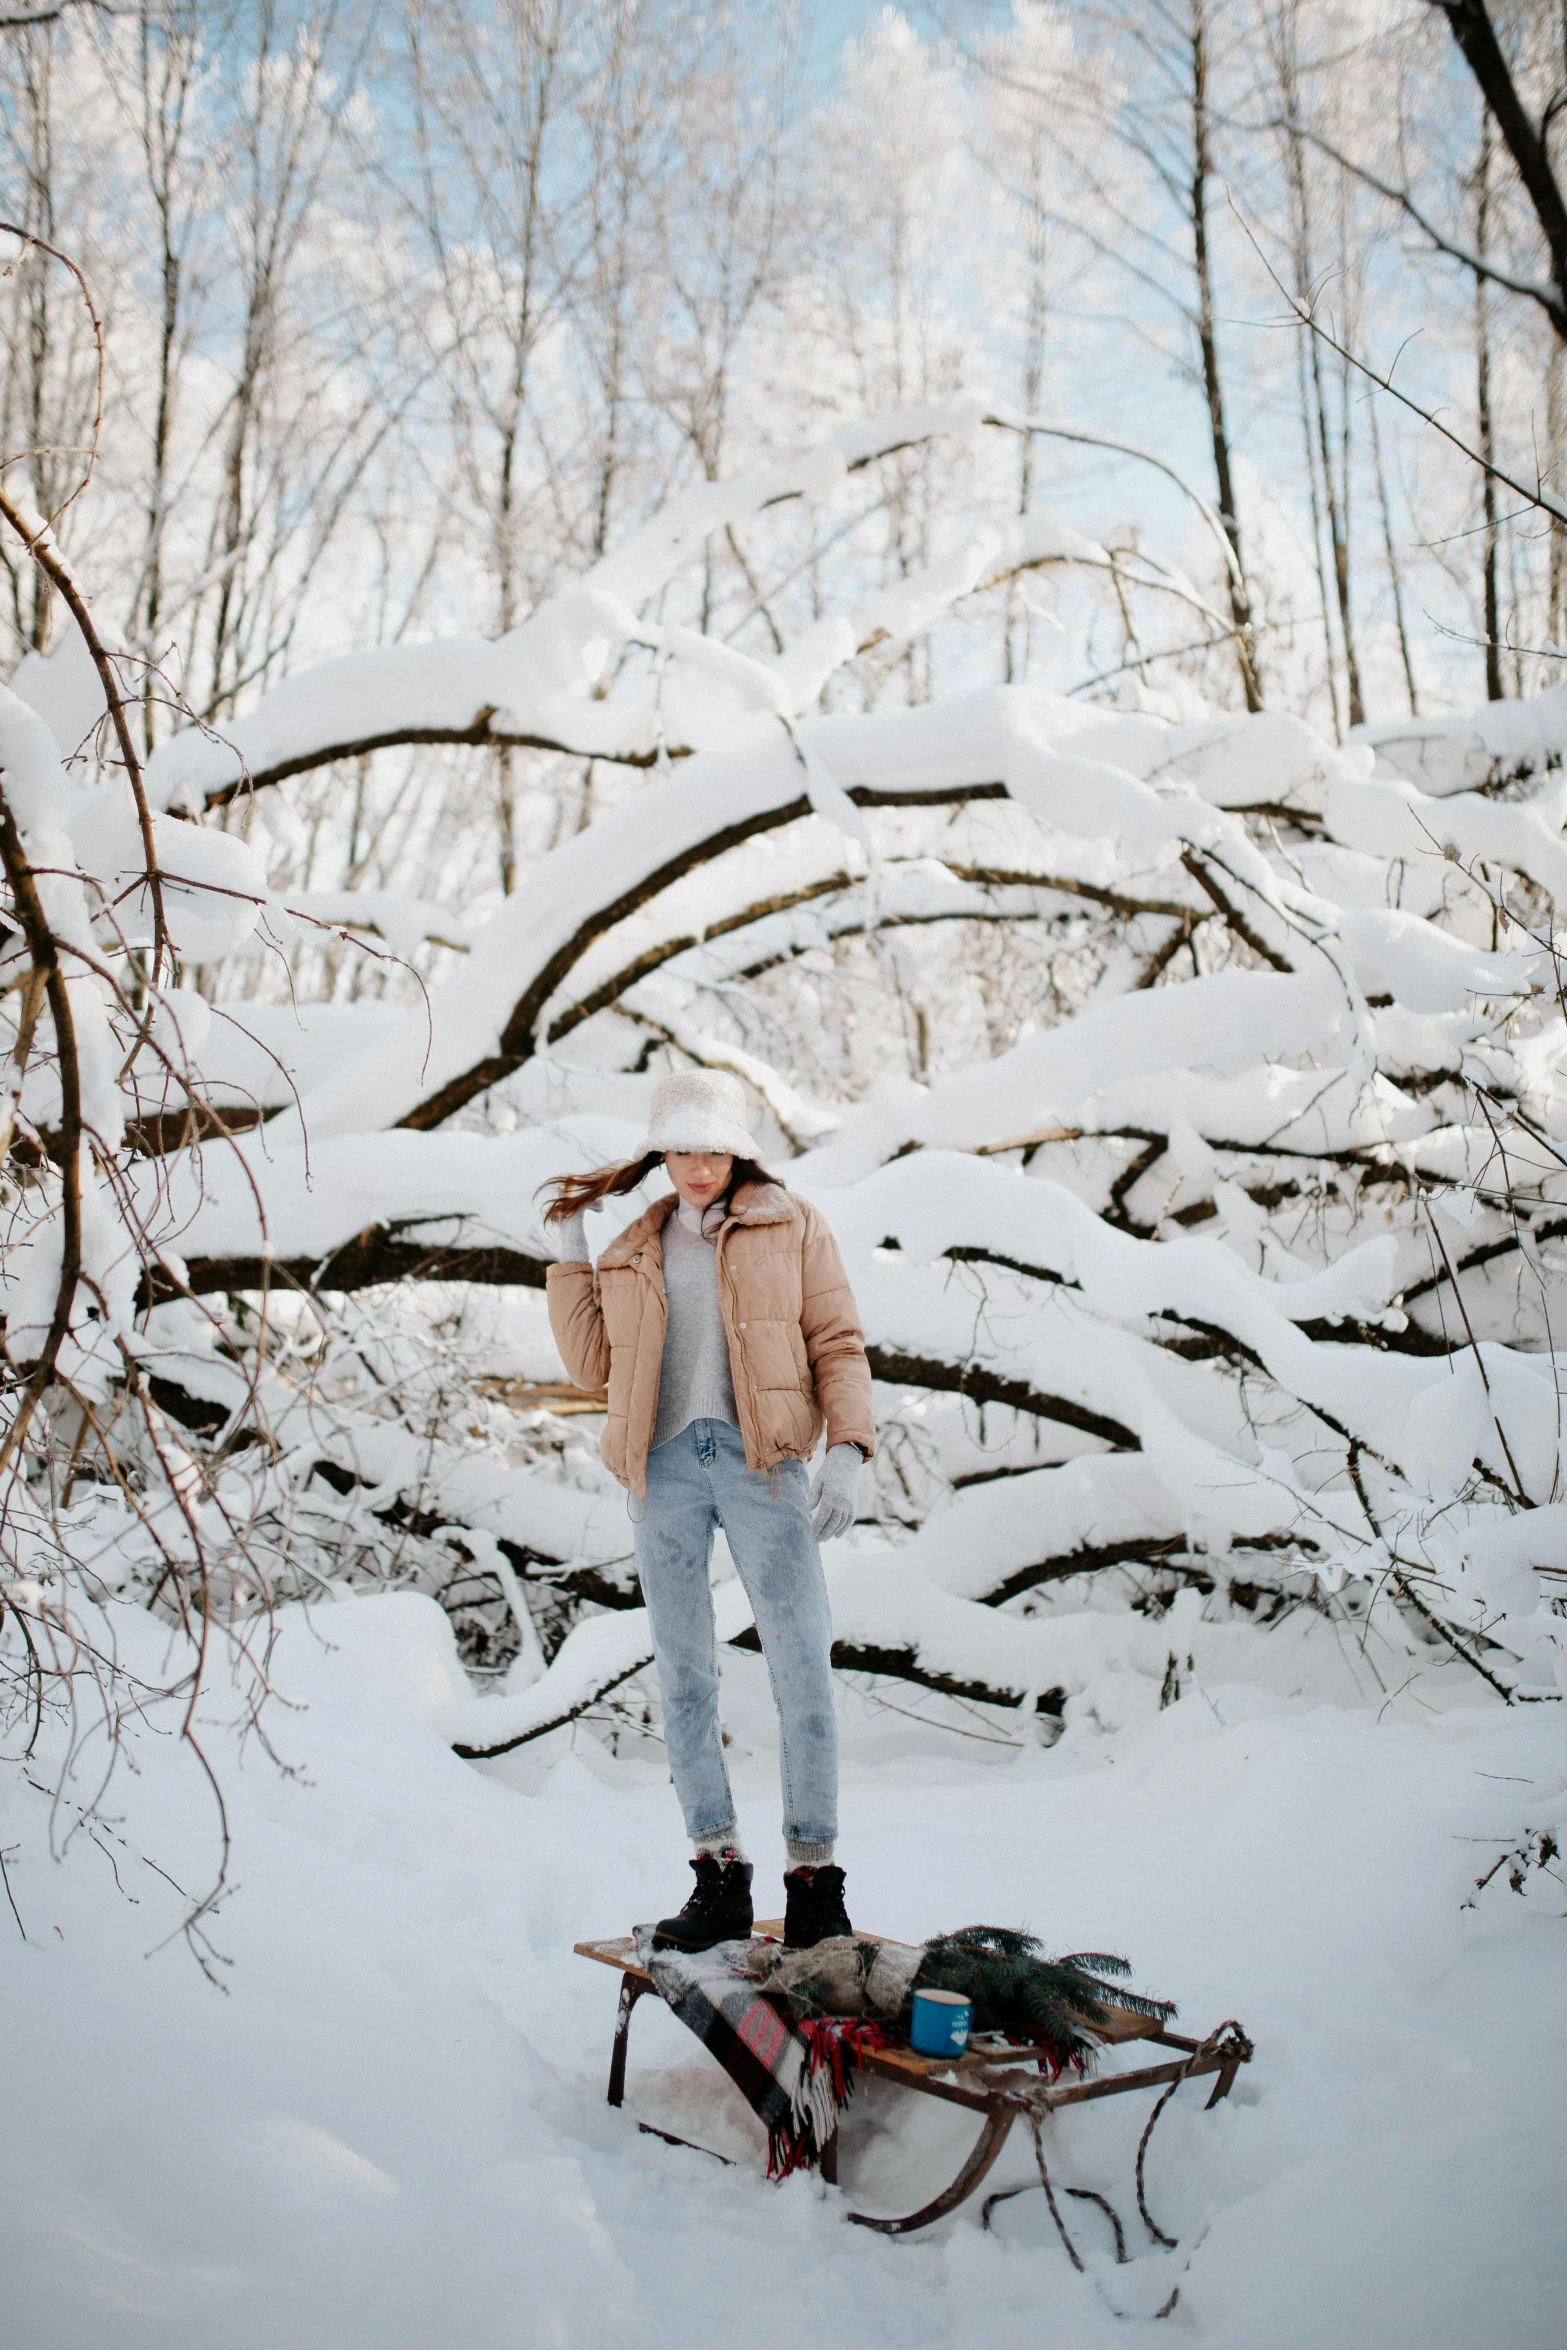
1061, 2004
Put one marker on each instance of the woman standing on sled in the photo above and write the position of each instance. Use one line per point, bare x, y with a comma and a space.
724, 1325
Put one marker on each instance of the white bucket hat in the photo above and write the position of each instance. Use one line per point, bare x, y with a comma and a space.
701, 1110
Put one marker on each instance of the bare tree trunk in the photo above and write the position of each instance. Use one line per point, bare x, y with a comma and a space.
1314, 495
1348, 277
167, 61
603, 289
1334, 465
1334, 494
539, 45
1394, 567
293, 99
1300, 240
1485, 423
1202, 171
1557, 574
484, 88
1015, 664
38, 394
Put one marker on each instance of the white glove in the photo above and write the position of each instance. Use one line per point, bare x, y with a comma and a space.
835, 1490
569, 1241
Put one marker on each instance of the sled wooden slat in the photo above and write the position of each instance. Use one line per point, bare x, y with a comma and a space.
994, 2077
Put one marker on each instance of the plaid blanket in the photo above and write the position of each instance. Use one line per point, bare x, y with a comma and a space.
794, 2076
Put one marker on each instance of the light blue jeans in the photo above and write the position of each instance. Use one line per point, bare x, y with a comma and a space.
697, 1481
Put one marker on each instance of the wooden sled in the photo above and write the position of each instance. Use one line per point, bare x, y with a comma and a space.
997, 2078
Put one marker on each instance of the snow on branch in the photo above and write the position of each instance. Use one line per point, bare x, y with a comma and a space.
1247, 1223
540, 687
888, 1620
490, 1018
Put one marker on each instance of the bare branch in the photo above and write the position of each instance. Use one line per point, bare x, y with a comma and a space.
16, 21
1539, 496
1475, 34
1549, 297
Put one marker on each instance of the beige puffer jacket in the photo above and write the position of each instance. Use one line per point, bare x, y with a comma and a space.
796, 1350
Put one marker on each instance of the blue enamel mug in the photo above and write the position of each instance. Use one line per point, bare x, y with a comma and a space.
940, 2024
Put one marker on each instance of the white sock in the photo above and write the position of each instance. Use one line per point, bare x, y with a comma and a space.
723, 1844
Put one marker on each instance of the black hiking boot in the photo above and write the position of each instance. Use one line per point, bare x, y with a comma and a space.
719, 1909
815, 1909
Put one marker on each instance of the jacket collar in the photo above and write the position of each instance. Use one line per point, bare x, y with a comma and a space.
761, 1203
752, 1203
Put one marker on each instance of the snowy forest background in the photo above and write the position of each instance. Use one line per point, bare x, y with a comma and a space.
999, 573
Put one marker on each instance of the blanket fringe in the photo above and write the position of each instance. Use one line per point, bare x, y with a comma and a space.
835, 2047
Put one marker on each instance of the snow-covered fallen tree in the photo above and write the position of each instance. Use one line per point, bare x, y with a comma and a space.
1237, 1270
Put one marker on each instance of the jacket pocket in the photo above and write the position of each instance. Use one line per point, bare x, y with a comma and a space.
790, 1421
621, 1306
775, 1355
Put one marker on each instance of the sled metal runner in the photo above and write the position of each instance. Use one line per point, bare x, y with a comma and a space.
996, 2078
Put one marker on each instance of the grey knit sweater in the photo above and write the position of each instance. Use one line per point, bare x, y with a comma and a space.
694, 1379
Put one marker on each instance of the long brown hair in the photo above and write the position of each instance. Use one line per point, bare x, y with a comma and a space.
575, 1194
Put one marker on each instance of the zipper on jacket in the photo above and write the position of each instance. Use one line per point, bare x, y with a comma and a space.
734, 1315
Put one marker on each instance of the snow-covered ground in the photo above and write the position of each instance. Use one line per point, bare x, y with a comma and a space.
388, 2129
